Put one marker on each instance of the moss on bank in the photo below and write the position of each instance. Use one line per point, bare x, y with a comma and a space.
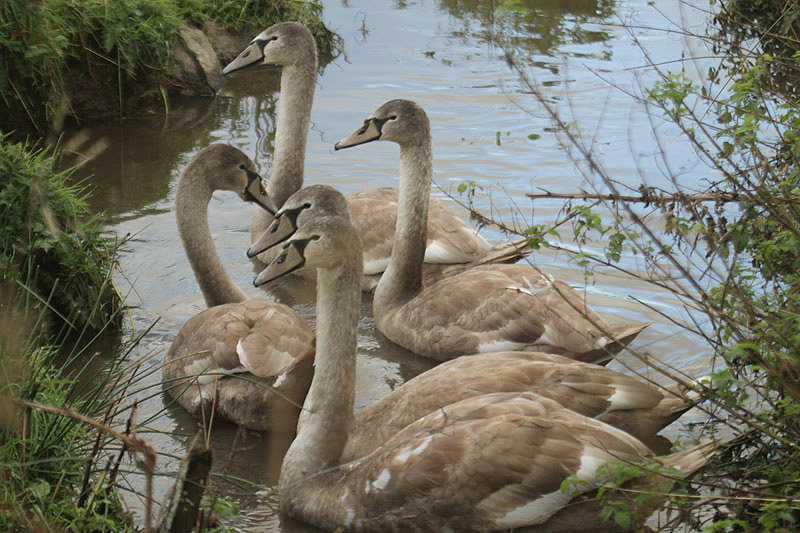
50, 50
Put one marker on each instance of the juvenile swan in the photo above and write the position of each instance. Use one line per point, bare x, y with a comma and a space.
452, 243
491, 462
488, 308
267, 343
592, 390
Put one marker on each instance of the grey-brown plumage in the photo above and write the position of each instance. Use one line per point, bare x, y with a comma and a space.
487, 462
248, 360
591, 390
492, 462
451, 241
485, 309
451, 244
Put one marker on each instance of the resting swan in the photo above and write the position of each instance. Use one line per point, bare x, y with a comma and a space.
592, 390
452, 244
485, 309
492, 461
268, 340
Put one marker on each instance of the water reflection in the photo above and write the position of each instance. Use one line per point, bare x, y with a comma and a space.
132, 162
531, 26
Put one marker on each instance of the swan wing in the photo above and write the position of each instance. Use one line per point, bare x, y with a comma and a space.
492, 462
588, 389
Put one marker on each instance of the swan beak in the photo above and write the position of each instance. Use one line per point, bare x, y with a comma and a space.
251, 55
281, 229
366, 133
289, 260
254, 192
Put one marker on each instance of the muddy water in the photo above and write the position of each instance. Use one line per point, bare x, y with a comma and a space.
443, 55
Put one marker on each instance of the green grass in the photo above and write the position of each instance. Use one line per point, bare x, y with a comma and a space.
41, 41
125, 47
49, 240
251, 16
55, 298
51, 478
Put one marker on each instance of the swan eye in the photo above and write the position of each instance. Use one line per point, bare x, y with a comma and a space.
393, 117
241, 166
306, 205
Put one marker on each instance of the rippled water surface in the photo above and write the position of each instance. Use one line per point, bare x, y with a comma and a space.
444, 55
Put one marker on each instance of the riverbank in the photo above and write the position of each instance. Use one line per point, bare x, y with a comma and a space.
79, 61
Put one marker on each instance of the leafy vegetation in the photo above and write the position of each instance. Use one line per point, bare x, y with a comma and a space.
730, 253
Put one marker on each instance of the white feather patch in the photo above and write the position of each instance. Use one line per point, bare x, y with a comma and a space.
383, 479
547, 337
404, 455
533, 512
436, 252
539, 510
523, 290
500, 346
376, 266
280, 379
621, 399
242, 353
590, 462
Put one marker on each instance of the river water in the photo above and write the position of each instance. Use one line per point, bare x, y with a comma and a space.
444, 55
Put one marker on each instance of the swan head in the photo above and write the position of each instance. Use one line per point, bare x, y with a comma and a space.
306, 204
401, 121
326, 242
282, 44
225, 168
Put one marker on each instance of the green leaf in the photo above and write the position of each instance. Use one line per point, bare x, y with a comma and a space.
40, 489
623, 519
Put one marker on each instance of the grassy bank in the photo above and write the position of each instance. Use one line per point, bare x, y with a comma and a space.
50, 50
53, 255
55, 297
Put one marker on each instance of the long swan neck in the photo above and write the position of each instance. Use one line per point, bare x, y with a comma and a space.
291, 131
191, 211
324, 424
403, 277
